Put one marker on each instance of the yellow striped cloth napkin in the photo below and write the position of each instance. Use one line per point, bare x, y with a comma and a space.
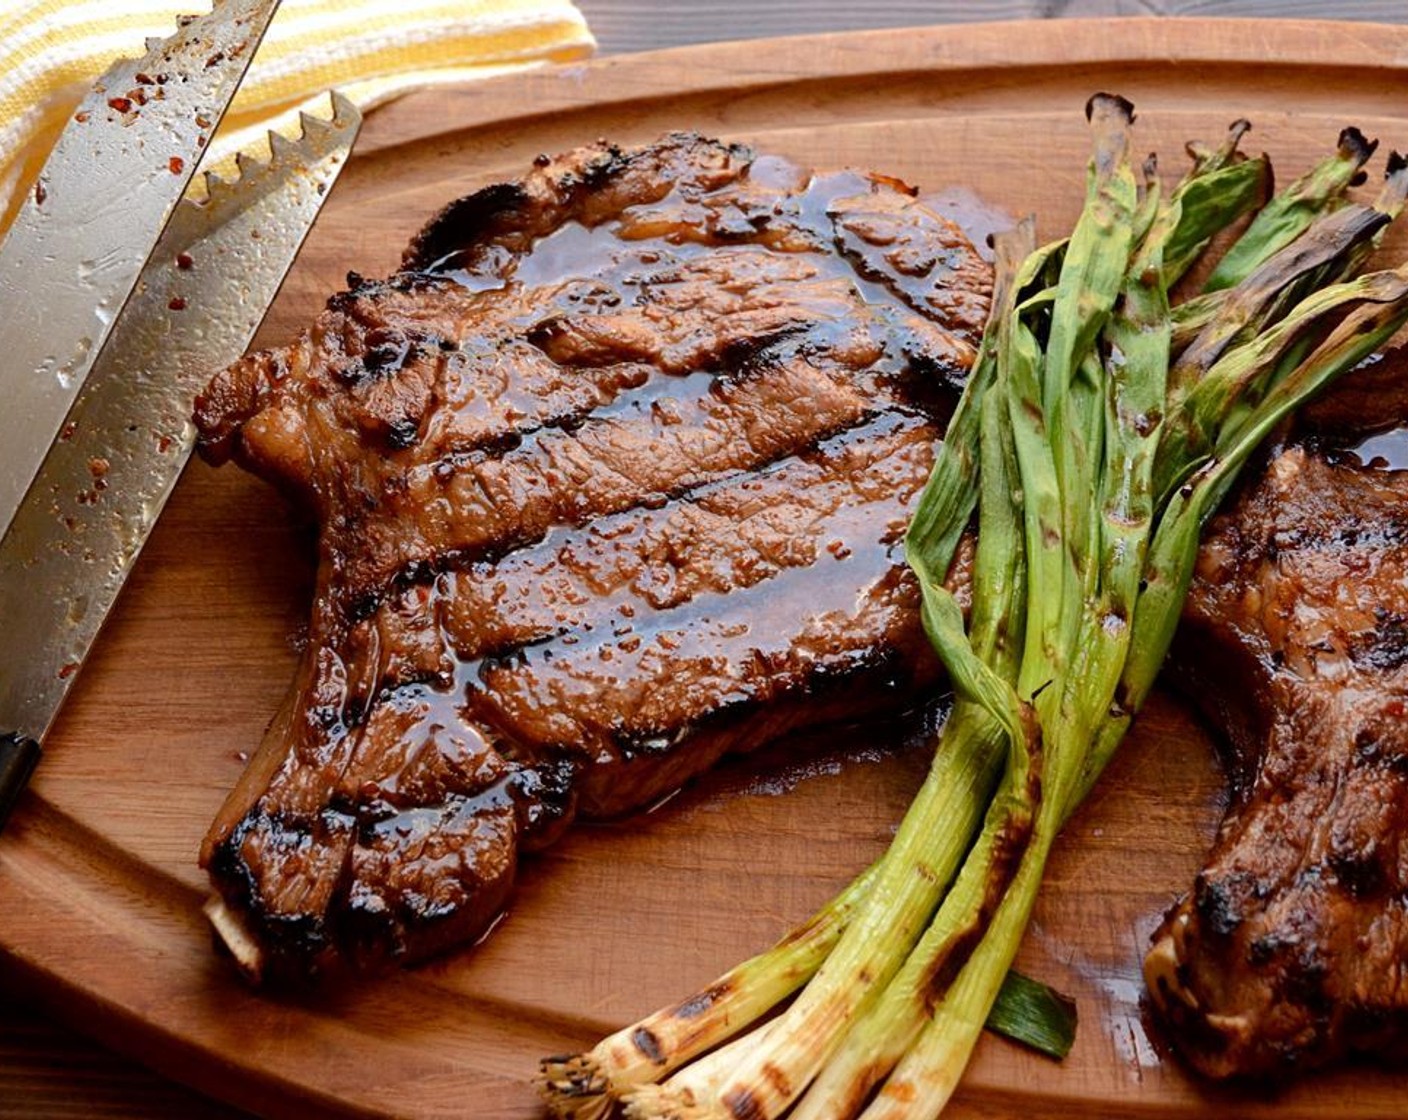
372, 50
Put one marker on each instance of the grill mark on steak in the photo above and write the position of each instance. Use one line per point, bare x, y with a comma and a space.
1288, 952
834, 501
570, 478
611, 480
712, 654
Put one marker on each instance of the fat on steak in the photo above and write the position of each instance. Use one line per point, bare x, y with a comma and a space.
1291, 950
611, 479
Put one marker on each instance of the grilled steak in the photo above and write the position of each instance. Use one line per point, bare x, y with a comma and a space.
610, 479
1289, 952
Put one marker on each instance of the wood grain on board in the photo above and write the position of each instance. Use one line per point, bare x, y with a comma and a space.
99, 892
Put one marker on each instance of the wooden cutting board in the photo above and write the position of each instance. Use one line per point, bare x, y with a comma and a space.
99, 892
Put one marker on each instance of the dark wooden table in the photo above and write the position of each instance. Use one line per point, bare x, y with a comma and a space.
48, 1072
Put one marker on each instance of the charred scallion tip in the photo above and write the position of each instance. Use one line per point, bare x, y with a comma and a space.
1193, 317
1394, 192
1292, 211
1107, 105
1207, 159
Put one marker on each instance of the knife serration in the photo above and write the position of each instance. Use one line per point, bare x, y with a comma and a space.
123, 445
78, 243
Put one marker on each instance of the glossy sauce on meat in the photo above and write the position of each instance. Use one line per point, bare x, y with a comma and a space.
611, 478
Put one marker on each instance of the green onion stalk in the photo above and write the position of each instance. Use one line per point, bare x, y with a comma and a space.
1103, 423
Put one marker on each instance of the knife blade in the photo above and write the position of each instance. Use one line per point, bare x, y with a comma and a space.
97, 208
196, 307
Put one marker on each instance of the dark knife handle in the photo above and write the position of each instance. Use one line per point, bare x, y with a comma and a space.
19, 755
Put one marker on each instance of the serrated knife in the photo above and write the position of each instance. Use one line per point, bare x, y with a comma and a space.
123, 317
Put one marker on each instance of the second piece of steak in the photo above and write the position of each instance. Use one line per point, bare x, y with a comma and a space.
1289, 952
611, 479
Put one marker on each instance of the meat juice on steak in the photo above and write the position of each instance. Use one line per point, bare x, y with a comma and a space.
610, 479
1289, 952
